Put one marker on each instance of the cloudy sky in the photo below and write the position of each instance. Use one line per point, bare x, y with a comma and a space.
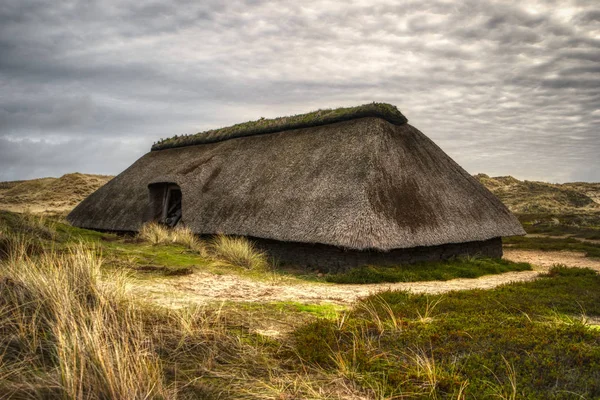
503, 87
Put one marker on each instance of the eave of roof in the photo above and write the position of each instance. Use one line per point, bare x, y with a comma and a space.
385, 111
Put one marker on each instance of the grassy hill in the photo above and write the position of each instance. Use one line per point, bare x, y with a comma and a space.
530, 197
571, 209
49, 194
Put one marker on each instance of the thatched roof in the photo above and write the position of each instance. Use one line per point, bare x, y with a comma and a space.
385, 111
361, 184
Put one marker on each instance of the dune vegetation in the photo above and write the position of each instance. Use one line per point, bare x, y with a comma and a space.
49, 195
71, 329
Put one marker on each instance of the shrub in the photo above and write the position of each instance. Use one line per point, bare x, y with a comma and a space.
15, 245
522, 340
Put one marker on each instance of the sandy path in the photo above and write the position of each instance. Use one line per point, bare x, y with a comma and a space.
545, 259
202, 288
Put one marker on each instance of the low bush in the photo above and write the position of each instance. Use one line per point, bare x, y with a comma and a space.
154, 233
14, 246
584, 225
65, 332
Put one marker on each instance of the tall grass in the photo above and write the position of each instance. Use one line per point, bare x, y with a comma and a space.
66, 334
34, 225
67, 331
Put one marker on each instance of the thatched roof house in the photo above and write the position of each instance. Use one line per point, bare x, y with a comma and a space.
334, 187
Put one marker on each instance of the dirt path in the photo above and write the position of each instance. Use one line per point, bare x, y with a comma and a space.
545, 259
202, 288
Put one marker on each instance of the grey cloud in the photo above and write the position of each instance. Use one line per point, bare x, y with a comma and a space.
495, 84
27, 159
589, 16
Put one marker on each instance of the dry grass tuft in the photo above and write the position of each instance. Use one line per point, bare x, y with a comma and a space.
154, 233
233, 251
222, 251
158, 234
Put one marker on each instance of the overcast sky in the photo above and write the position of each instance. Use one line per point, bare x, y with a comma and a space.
503, 87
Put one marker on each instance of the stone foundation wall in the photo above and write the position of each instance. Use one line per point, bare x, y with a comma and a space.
336, 259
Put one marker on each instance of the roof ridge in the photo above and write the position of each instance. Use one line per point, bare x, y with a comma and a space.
320, 117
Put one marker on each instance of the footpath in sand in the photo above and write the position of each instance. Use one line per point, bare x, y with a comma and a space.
203, 288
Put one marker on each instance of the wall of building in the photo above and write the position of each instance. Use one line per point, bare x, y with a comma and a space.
335, 259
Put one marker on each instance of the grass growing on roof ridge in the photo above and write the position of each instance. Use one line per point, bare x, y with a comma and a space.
320, 117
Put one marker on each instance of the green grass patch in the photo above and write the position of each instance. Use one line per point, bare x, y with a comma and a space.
430, 271
147, 254
282, 315
553, 244
525, 340
328, 311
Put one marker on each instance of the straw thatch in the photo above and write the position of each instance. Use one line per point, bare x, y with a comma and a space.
361, 184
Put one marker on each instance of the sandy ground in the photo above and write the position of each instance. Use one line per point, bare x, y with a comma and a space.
203, 288
543, 260
42, 208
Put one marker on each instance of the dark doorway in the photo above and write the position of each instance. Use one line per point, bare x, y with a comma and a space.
172, 207
165, 203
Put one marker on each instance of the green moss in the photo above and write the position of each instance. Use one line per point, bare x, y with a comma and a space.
440, 271
531, 333
261, 126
